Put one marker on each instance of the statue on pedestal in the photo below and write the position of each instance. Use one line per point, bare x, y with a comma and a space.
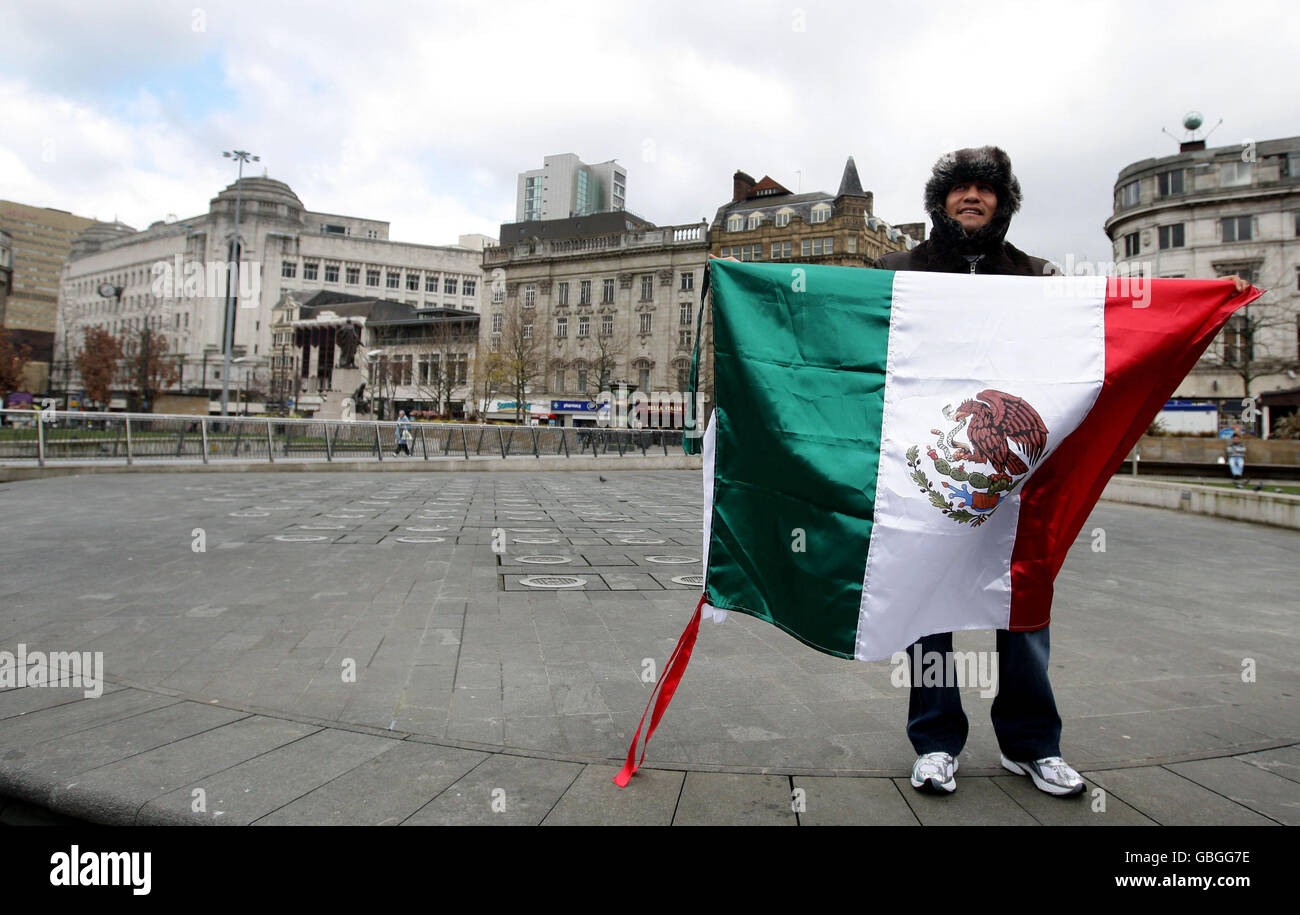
346, 338
347, 414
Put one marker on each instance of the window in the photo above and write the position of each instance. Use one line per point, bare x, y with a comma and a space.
1291, 167
815, 247
1132, 245
584, 292
646, 323
1236, 228
559, 378
821, 213
852, 244
331, 273
354, 276
528, 330
735, 223
394, 281
781, 249
606, 325
530, 296
309, 270
412, 282
755, 220
1236, 344
607, 292
647, 288
498, 293
449, 285
496, 323
783, 219
643, 377
562, 294
431, 282
584, 325
1171, 237
459, 368
1234, 173
561, 327
288, 270
467, 287
683, 376
372, 277
688, 279
582, 379
684, 338
1128, 194
1169, 183
684, 314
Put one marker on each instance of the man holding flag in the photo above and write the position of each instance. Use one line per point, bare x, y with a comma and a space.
970, 198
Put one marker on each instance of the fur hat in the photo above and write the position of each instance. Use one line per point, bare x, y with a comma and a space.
988, 164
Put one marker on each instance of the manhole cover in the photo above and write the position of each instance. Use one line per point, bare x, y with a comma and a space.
427, 530
345, 516
623, 530
250, 514
322, 527
298, 538
672, 560
552, 581
536, 540
530, 530
544, 560
695, 580
421, 539
636, 542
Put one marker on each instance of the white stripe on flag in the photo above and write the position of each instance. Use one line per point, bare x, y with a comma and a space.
710, 448
951, 337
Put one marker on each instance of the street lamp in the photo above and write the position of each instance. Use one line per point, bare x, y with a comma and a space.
241, 156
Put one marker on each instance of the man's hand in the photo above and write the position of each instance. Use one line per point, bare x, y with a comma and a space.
1238, 283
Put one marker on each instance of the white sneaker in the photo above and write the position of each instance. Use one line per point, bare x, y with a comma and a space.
1051, 774
934, 772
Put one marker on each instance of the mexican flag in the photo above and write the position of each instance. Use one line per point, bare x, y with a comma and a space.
894, 454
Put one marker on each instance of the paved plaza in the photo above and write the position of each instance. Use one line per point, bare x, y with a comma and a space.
504, 688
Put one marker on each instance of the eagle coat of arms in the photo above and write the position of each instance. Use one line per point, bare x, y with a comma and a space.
993, 421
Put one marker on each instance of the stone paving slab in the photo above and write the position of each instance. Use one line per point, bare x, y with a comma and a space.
383, 791
726, 799
594, 800
115, 793
976, 802
852, 802
501, 791
249, 791
1174, 800
1274, 796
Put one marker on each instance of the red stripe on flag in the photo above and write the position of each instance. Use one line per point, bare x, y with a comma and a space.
1149, 350
666, 686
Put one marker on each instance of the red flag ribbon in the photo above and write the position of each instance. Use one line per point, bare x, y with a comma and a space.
662, 694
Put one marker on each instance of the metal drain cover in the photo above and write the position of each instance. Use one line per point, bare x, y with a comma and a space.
421, 539
552, 581
544, 560
695, 580
427, 530
636, 542
672, 560
250, 514
536, 540
298, 538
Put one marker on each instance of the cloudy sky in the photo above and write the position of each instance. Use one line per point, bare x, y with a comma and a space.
423, 114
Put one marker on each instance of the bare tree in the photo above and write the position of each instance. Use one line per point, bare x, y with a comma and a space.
488, 378
148, 370
442, 351
602, 364
521, 355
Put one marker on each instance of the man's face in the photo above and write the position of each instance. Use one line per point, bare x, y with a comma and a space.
972, 204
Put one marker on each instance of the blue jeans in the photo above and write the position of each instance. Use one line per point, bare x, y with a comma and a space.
1024, 713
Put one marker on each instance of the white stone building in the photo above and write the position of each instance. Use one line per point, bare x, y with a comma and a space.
173, 276
1215, 212
565, 186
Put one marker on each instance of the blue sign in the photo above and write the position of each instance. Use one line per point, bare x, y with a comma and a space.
572, 406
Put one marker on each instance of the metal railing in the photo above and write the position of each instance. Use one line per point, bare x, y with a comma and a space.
55, 436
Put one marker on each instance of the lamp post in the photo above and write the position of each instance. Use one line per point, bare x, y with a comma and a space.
241, 156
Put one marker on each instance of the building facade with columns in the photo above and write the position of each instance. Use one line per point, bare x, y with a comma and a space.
173, 276
606, 295
1216, 212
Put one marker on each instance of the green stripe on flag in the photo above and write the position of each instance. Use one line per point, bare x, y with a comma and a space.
799, 367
